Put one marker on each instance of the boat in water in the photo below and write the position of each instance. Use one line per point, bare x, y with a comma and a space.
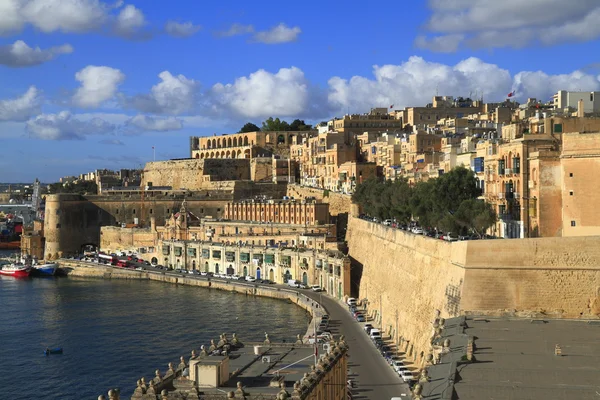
45, 269
16, 270
56, 350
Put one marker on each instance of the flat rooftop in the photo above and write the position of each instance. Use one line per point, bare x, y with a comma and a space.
288, 361
515, 359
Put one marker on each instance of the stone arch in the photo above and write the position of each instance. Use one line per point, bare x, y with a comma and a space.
247, 153
235, 142
272, 275
229, 142
223, 154
193, 264
292, 139
245, 140
233, 154
228, 154
202, 156
209, 142
245, 270
206, 266
258, 272
216, 268
281, 139
305, 278
219, 143
212, 154
214, 143
239, 154
197, 155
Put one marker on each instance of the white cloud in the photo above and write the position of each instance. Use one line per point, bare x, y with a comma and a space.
130, 23
148, 123
416, 81
510, 23
21, 108
285, 93
441, 44
235, 30
181, 29
98, 84
64, 126
174, 95
10, 17
278, 34
19, 54
61, 15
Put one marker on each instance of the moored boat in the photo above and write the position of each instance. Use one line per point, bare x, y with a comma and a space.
56, 350
16, 270
45, 269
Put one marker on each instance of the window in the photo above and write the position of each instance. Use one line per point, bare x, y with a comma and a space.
571, 193
573, 223
570, 175
117, 211
591, 96
558, 128
516, 165
57, 226
167, 210
134, 211
150, 211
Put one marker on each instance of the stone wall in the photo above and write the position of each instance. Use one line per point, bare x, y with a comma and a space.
116, 238
191, 174
338, 203
407, 277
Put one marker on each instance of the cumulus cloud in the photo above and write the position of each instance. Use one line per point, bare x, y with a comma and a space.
19, 54
149, 123
414, 82
130, 23
64, 126
278, 34
21, 108
509, 23
174, 95
235, 30
285, 93
181, 29
98, 84
52, 15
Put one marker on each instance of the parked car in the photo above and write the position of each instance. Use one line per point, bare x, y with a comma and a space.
417, 231
450, 237
375, 334
250, 278
351, 301
387, 222
367, 327
406, 375
316, 288
361, 318
398, 366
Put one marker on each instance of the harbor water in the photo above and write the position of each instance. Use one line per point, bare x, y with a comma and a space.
113, 332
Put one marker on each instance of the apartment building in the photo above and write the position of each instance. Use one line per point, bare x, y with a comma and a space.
281, 211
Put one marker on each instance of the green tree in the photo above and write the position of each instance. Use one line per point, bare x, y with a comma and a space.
475, 216
249, 127
276, 124
299, 125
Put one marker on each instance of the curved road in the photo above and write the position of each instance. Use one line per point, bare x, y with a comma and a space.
373, 378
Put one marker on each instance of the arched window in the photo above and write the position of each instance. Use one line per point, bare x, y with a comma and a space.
245, 140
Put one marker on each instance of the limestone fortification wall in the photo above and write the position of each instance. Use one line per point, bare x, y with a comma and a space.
115, 238
191, 174
338, 203
408, 277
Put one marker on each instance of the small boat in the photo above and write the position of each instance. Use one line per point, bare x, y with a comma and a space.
14, 245
56, 350
45, 269
16, 270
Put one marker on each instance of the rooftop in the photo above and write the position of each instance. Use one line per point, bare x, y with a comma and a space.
516, 359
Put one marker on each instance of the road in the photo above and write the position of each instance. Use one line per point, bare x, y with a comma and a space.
373, 378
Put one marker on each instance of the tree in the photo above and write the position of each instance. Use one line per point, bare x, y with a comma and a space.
299, 125
249, 127
276, 124
475, 215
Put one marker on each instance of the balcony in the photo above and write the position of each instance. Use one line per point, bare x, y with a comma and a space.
509, 195
501, 171
516, 195
508, 171
500, 195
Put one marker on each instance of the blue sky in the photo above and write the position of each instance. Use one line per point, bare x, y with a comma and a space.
89, 84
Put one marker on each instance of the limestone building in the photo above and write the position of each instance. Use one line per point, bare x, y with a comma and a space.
285, 211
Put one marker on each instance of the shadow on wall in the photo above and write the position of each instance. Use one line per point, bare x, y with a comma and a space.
341, 223
356, 271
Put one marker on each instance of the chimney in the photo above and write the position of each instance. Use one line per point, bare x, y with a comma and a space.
580, 113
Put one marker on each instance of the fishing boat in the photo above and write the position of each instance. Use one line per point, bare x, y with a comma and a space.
45, 269
56, 350
16, 270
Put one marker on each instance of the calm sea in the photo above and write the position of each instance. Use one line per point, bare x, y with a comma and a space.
114, 332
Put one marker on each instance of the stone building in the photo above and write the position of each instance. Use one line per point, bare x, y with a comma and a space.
284, 211
328, 269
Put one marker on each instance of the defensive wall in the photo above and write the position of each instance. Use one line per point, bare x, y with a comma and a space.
73, 220
408, 280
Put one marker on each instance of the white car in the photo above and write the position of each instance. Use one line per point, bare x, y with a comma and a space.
406, 376
250, 278
316, 288
398, 366
235, 277
417, 231
375, 334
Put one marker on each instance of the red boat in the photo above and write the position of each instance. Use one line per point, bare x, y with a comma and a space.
16, 270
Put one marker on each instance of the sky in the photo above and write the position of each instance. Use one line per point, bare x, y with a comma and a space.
92, 84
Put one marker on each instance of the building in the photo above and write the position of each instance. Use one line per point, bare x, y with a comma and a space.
566, 100
329, 269
246, 145
283, 211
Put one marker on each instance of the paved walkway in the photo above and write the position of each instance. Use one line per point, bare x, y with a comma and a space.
373, 378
